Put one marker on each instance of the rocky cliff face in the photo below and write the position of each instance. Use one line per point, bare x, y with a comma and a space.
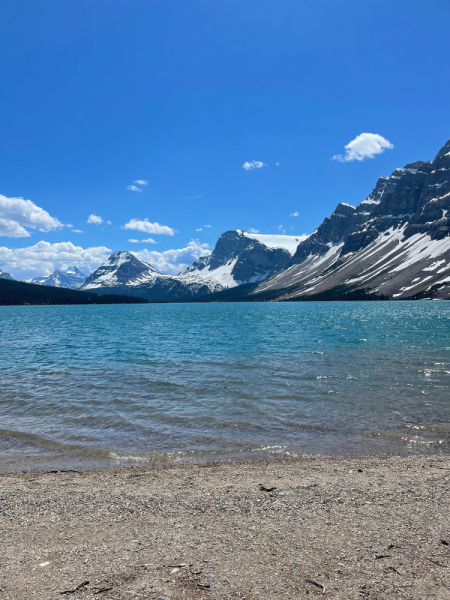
396, 242
236, 259
71, 279
4, 275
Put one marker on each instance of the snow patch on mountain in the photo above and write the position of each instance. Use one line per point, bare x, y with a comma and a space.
288, 242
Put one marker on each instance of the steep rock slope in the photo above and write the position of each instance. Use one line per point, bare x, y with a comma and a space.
4, 275
396, 242
237, 258
71, 279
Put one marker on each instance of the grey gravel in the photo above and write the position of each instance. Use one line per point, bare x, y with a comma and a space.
326, 531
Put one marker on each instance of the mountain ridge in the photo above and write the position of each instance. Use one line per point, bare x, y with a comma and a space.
71, 279
388, 244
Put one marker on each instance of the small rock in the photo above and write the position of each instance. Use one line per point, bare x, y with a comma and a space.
162, 598
210, 575
175, 570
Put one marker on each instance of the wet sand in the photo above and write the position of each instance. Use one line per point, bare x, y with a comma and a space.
372, 528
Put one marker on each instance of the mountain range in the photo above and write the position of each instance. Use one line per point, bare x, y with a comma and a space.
70, 278
238, 258
394, 244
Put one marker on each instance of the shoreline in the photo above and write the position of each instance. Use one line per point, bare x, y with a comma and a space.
343, 528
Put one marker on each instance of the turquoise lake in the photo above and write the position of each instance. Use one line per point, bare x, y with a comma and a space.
120, 385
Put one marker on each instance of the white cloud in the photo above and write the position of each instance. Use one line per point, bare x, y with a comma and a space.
251, 230
140, 182
207, 225
17, 214
147, 241
280, 229
254, 164
295, 214
69, 225
77, 231
108, 223
147, 227
200, 229
133, 188
94, 220
43, 258
174, 261
365, 145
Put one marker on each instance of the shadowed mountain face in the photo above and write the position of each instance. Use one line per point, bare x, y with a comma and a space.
4, 275
394, 243
236, 259
71, 279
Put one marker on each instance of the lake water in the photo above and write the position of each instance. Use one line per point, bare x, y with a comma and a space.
100, 386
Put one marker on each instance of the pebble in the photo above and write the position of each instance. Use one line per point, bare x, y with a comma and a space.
210, 575
162, 598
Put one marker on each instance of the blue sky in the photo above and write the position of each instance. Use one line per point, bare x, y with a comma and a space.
98, 94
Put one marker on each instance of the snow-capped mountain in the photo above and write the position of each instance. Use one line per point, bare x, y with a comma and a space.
237, 258
124, 273
4, 275
70, 278
395, 243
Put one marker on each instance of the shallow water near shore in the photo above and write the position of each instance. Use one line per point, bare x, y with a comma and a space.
120, 385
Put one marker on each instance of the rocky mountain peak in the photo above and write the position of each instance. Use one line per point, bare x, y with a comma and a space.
122, 268
444, 151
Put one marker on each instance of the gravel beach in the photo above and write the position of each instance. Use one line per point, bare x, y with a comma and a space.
371, 528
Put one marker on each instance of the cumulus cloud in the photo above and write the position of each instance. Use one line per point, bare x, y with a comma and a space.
254, 164
147, 227
295, 214
207, 225
174, 261
365, 145
251, 230
140, 182
133, 188
94, 220
43, 258
18, 215
133, 241
199, 229
77, 231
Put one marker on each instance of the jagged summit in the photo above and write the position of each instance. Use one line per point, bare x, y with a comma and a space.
237, 258
396, 242
122, 268
444, 151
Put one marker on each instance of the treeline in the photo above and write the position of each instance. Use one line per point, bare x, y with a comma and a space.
17, 293
245, 293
